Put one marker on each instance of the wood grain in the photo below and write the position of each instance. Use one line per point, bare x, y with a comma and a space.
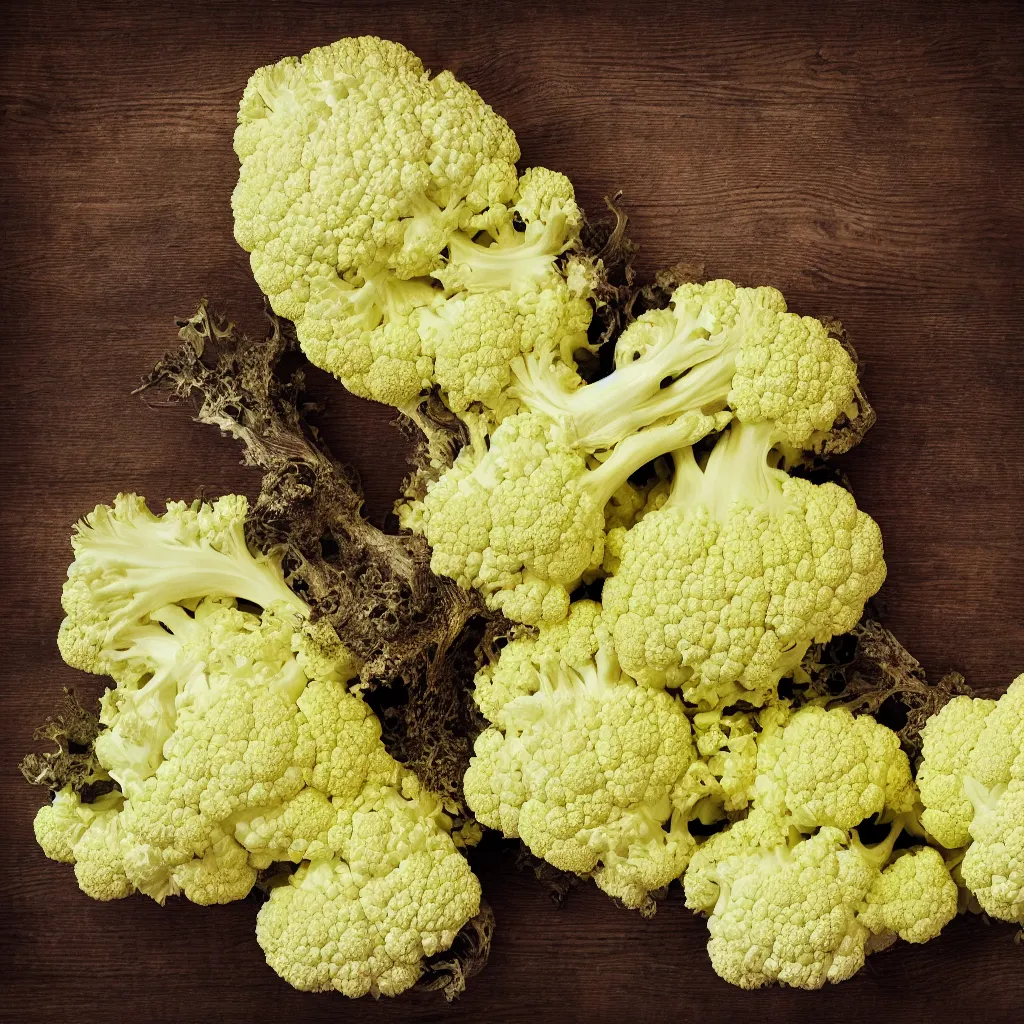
864, 157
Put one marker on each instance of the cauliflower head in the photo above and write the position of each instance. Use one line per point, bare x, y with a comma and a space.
723, 588
236, 744
383, 214
583, 771
353, 158
972, 788
792, 893
831, 768
361, 919
524, 519
715, 346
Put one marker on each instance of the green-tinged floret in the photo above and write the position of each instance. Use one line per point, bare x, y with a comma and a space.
972, 787
352, 158
237, 743
583, 770
517, 671
830, 768
130, 563
792, 892
523, 520
914, 897
380, 206
722, 589
715, 346
784, 908
947, 741
362, 921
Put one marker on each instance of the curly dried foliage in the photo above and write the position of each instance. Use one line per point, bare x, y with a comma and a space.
557, 882
449, 971
437, 436
657, 294
605, 241
870, 672
416, 633
72, 730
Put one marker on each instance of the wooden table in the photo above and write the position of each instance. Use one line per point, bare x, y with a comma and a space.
866, 161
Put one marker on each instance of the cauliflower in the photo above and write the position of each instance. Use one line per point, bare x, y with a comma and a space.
383, 214
583, 770
830, 768
948, 740
130, 563
727, 743
914, 898
786, 911
792, 893
353, 157
390, 339
523, 520
715, 345
395, 891
88, 836
236, 743
517, 671
972, 787
723, 588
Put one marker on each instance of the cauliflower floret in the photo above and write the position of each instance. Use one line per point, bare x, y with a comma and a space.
362, 921
788, 913
236, 751
364, 332
524, 520
972, 787
947, 740
89, 836
348, 203
352, 157
722, 590
717, 345
130, 563
474, 337
993, 867
830, 768
799, 910
583, 771
792, 892
516, 672
914, 897
237, 743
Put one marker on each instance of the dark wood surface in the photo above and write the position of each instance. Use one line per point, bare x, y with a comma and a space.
865, 159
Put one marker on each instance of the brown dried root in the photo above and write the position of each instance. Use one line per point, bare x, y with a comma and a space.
449, 971
72, 730
416, 634
869, 671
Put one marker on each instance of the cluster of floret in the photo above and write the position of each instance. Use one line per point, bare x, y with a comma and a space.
637, 739
234, 742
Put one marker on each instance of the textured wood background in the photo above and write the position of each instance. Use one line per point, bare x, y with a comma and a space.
866, 159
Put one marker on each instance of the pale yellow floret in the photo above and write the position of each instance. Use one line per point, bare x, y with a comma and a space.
583, 771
